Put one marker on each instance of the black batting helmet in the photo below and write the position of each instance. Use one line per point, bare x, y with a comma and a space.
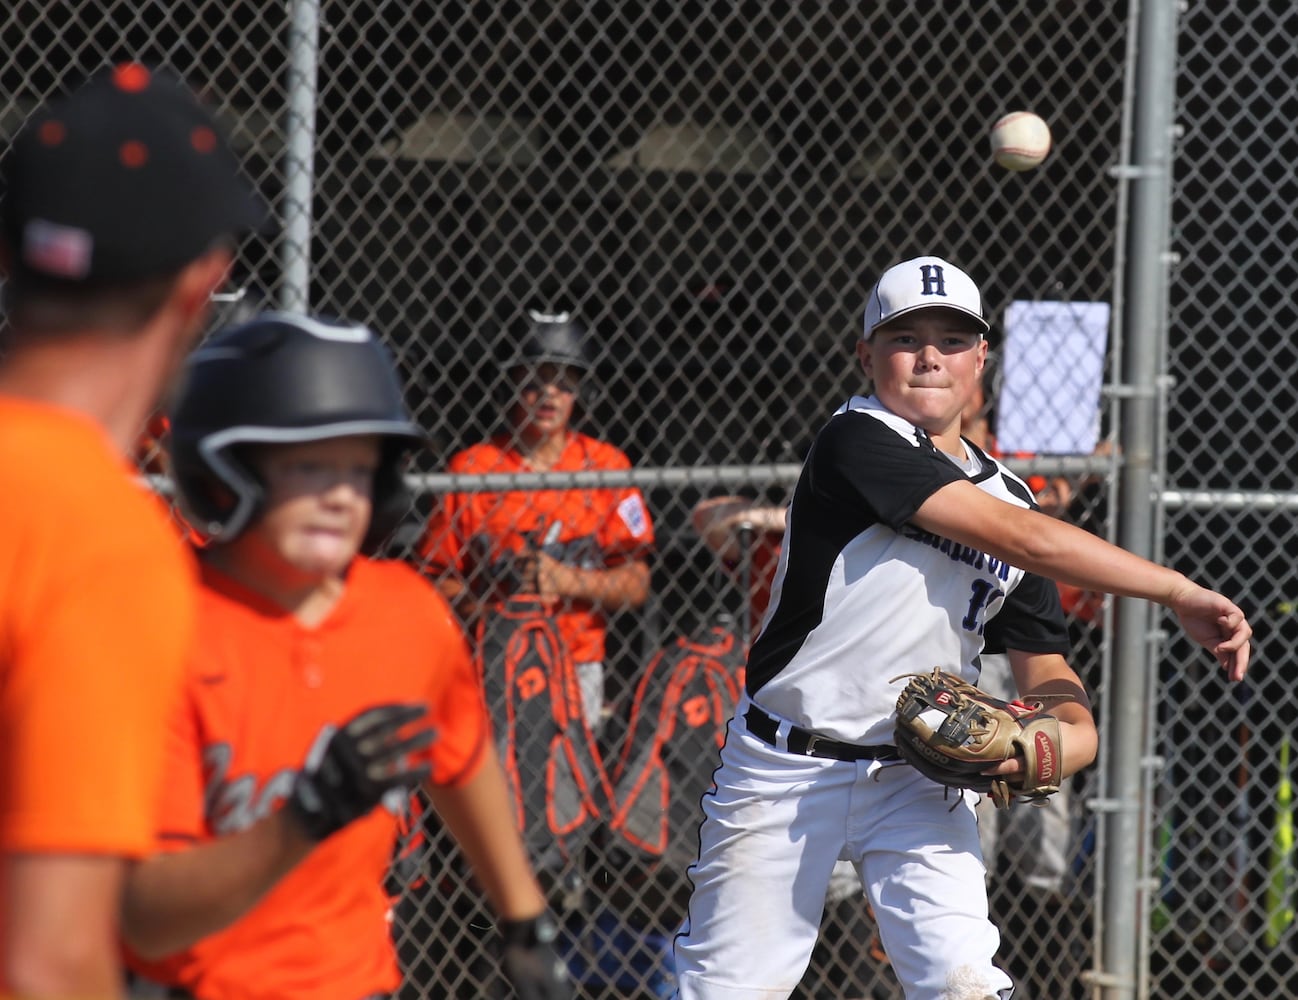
551, 337
284, 379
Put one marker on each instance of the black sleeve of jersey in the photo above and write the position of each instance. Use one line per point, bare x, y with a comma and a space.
857, 458
1032, 619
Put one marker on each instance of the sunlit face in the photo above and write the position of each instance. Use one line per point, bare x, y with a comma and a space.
926, 366
319, 499
545, 397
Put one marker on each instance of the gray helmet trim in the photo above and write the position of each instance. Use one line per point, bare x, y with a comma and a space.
213, 448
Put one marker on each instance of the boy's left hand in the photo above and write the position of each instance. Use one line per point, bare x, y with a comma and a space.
531, 964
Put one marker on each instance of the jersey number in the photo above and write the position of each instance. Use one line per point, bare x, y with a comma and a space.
983, 594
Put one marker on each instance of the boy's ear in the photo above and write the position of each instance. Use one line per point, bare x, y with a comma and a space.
864, 355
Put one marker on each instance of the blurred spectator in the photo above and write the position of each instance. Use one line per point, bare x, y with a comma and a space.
1055, 495
746, 538
229, 308
122, 206
536, 574
582, 551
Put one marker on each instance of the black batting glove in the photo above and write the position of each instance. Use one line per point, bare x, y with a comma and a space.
530, 961
351, 768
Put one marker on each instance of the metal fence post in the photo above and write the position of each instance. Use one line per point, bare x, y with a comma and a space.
299, 152
1144, 323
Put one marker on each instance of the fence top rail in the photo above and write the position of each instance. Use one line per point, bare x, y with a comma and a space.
1253, 500
679, 476
705, 475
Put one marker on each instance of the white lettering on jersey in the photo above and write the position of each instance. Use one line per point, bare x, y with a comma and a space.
234, 803
959, 553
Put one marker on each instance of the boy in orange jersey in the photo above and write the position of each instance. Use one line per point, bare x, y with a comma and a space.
583, 549
286, 445
122, 203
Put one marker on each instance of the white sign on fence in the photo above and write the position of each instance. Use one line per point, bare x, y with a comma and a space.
1049, 400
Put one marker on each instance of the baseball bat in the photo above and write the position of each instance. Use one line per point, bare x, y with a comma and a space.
1242, 816
1280, 880
1161, 915
1229, 882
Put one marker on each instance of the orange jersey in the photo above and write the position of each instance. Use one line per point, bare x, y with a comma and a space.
476, 535
1084, 605
259, 690
150, 446
95, 627
150, 451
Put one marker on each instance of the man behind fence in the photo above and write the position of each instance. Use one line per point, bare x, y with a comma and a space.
581, 551
537, 574
121, 204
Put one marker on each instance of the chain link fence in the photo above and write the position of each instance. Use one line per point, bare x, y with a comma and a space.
1223, 902
710, 188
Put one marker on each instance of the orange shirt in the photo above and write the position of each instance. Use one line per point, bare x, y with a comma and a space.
1083, 605
260, 688
95, 626
150, 447
475, 534
150, 450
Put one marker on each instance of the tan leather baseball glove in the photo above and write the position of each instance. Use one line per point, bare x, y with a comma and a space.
952, 731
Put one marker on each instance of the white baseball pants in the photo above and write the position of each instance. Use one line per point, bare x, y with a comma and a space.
770, 837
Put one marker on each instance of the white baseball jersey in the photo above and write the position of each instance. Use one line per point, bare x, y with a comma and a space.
867, 596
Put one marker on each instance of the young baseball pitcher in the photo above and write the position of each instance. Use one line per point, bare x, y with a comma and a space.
308, 703
122, 204
907, 548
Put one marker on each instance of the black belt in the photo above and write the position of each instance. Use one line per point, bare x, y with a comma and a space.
808, 744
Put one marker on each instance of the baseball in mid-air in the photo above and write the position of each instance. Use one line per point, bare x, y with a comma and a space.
1020, 140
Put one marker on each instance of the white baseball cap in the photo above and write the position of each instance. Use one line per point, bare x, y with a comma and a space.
922, 283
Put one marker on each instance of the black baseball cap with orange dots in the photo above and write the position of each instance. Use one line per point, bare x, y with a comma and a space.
126, 178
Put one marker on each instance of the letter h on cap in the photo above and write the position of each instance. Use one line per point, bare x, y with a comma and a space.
934, 282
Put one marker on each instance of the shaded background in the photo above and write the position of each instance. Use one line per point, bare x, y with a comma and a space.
712, 188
